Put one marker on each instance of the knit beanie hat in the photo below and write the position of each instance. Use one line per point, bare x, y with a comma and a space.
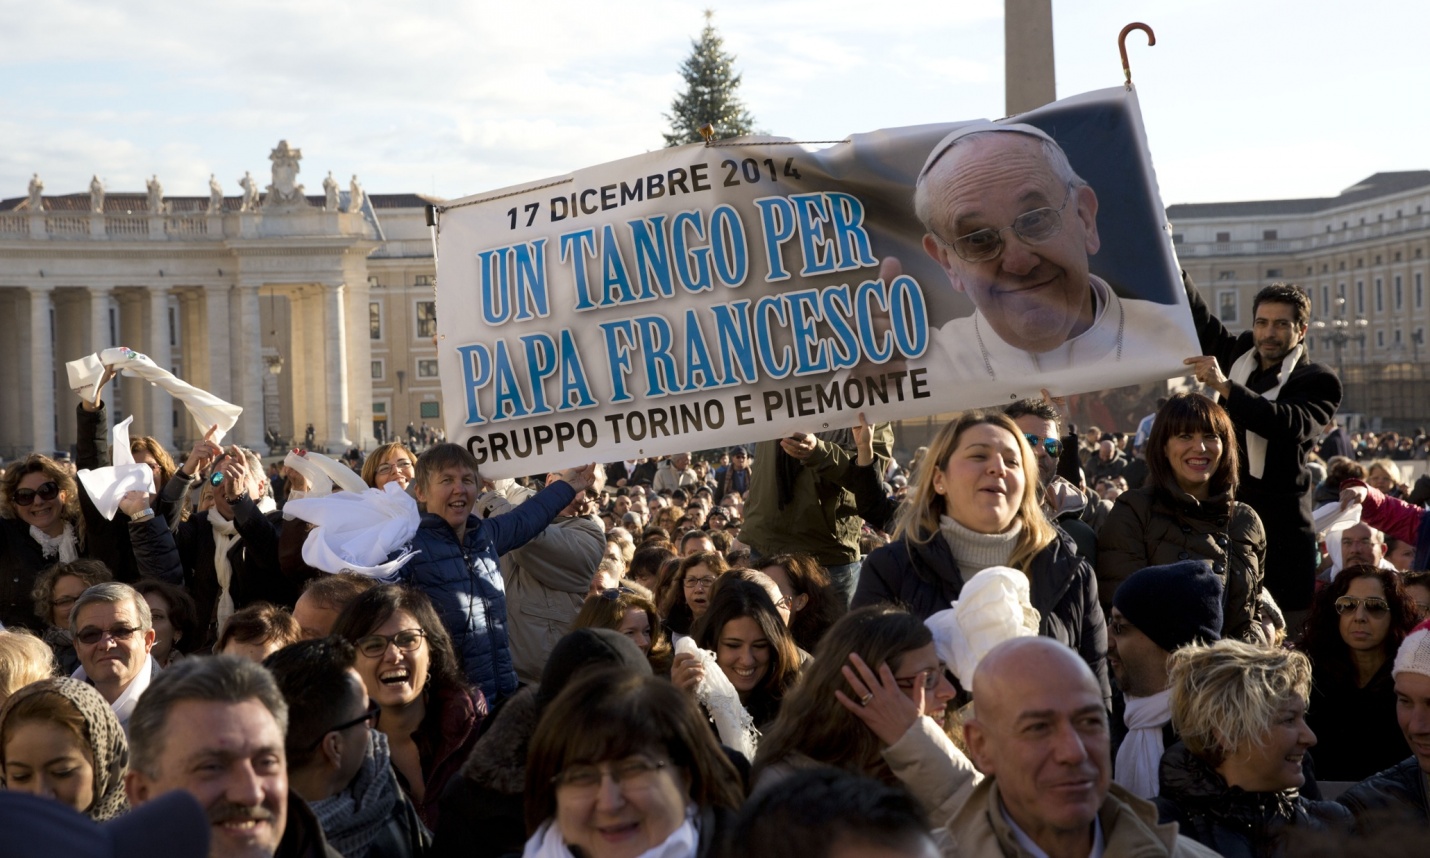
584, 650
1414, 653
1173, 605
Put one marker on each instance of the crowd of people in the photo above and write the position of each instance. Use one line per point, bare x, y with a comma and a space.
1022, 640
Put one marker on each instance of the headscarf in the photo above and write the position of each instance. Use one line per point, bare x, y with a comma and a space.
107, 746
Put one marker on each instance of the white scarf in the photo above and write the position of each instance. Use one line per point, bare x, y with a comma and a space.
1240, 372
107, 486
63, 546
124, 704
225, 535
732, 721
1140, 756
547, 842
206, 409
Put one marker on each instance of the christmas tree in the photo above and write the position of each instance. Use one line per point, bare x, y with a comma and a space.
710, 94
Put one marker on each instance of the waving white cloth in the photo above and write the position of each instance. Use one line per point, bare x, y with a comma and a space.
206, 409
1240, 372
1139, 758
105, 486
722, 701
357, 532
322, 472
993, 607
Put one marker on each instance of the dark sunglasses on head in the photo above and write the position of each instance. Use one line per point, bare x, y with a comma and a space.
46, 492
1052, 446
1374, 605
616, 593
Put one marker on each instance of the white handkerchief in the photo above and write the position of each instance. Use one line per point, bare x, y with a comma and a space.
357, 532
106, 486
206, 409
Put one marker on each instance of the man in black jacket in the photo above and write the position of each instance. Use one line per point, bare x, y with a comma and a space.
1279, 402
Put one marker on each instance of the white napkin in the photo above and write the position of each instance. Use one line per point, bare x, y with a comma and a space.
734, 724
1331, 515
357, 532
322, 472
993, 607
204, 407
106, 486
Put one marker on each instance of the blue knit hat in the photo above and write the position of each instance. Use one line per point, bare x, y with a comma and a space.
1173, 605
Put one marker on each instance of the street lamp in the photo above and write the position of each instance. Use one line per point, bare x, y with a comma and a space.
1338, 331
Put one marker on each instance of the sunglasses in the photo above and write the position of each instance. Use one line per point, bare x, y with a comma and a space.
90, 635
1052, 446
365, 718
1374, 605
46, 492
616, 593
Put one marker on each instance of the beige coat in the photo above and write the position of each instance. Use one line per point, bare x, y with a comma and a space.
1129, 829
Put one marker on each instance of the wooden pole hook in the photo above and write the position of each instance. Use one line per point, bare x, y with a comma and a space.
1122, 45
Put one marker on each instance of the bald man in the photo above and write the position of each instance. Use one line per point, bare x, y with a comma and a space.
1040, 735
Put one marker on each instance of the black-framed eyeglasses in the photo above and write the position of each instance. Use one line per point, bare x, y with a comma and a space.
931, 679
586, 778
367, 717
46, 492
1052, 446
616, 593
1374, 605
407, 640
1034, 227
91, 635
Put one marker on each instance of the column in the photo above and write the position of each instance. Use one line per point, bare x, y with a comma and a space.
161, 404
359, 368
335, 347
99, 339
250, 369
216, 334
1028, 70
42, 373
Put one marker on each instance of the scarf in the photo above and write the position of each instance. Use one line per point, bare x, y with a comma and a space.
976, 551
107, 744
547, 842
715, 692
1240, 372
64, 546
1140, 757
206, 409
352, 818
225, 535
107, 486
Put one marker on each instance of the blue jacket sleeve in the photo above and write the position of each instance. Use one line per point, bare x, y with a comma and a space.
515, 528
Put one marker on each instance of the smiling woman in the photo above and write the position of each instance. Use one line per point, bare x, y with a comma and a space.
39, 512
974, 503
59, 738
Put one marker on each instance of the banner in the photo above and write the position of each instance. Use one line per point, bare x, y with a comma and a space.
705, 296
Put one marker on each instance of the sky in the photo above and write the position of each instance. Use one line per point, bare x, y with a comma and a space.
1241, 100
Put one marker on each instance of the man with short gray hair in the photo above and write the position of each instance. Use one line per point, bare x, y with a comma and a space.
113, 633
215, 727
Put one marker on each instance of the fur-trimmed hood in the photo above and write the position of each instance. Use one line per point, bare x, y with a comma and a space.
498, 760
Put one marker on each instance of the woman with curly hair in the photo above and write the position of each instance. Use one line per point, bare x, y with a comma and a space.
1355, 627
629, 610
56, 591
40, 525
813, 604
1232, 783
428, 711
689, 590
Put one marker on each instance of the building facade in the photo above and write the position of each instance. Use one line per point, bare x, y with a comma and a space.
305, 310
1363, 256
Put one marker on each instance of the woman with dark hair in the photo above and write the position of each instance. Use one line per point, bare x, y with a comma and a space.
752, 646
56, 591
257, 631
813, 604
176, 620
890, 734
1356, 625
631, 612
623, 765
426, 708
690, 589
1188, 510
975, 503
645, 567
40, 525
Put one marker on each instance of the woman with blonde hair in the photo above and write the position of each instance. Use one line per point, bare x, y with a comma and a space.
24, 659
974, 504
630, 610
1232, 783
389, 463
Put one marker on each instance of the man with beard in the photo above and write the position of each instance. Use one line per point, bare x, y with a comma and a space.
214, 727
1279, 401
